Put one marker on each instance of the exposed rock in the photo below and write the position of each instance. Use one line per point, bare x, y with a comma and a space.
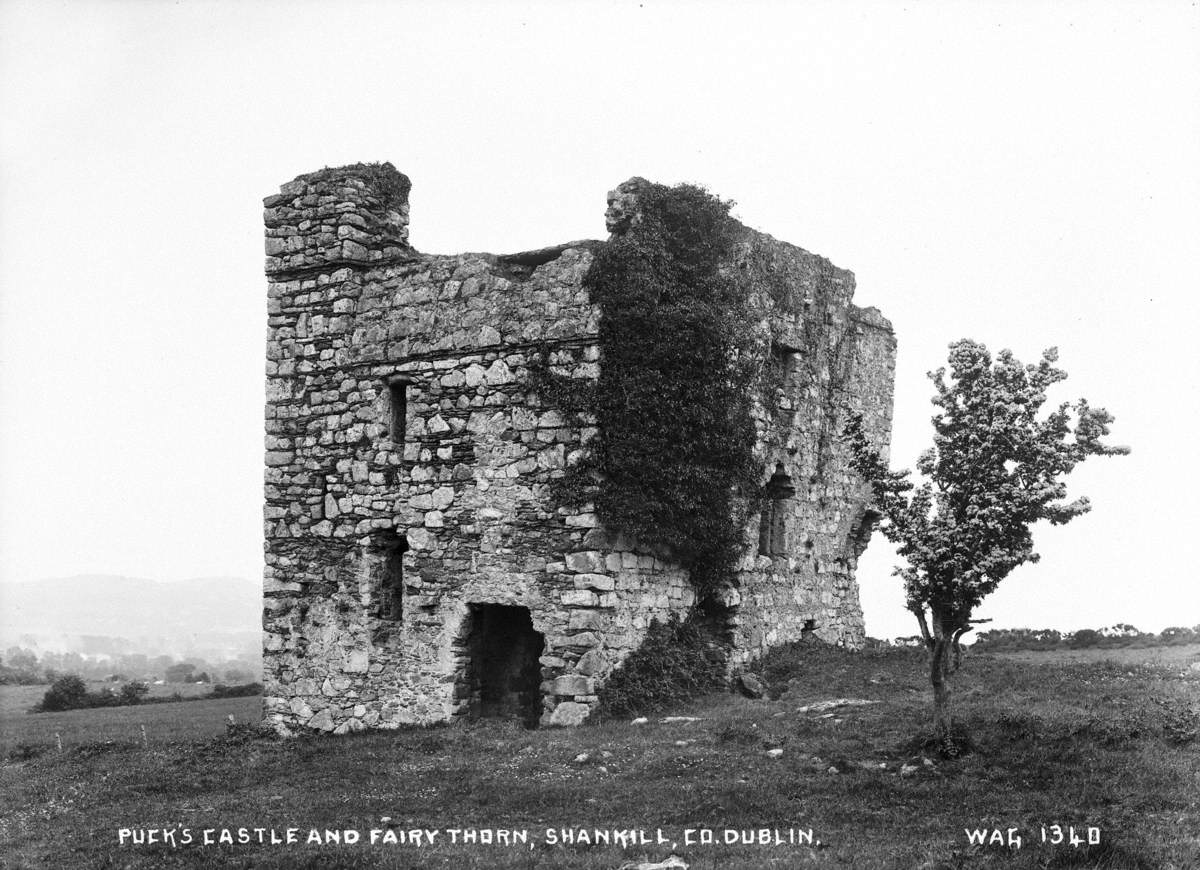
569, 713
322, 721
674, 862
821, 706
751, 686
573, 684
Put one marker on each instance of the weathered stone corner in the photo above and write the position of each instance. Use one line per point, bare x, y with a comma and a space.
351, 215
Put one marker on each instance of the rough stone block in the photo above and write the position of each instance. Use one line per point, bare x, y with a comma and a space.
600, 582
587, 562
569, 714
585, 620
322, 721
592, 663
573, 684
578, 598
356, 661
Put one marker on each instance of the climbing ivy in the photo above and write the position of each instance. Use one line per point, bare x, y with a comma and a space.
673, 400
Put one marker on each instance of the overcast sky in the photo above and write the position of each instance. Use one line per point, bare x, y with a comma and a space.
1024, 174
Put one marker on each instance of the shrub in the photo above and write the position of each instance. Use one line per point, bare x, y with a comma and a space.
27, 751
1180, 720
677, 662
68, 692
242, 691
1085, 637
132, 692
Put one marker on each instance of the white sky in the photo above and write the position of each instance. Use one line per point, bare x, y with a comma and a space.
1025, 174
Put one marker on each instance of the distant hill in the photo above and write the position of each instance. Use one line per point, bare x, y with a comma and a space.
92, 613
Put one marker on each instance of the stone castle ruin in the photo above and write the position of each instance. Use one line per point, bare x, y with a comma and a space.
418, 567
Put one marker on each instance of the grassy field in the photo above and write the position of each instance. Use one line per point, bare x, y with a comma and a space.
19, 699
21, 731
1105, 746
1182, 655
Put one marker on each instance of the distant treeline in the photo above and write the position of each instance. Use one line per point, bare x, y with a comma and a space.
1112, 637
21, 666
69, 692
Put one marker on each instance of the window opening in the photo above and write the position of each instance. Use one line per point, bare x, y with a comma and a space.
387, 554
398, 406
772, 533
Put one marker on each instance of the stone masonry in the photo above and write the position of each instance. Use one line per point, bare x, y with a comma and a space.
417, 566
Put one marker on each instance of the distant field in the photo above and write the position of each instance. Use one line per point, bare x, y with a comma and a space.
188, 720
18, 699
1182, 655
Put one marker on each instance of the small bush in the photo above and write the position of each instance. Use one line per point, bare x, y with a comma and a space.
677, 662
1020, 727
246, 732
1180, 720
740, 732
131, 693
103, 747
68, 692
27, 751
788, 661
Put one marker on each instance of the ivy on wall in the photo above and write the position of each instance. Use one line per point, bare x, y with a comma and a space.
673, 465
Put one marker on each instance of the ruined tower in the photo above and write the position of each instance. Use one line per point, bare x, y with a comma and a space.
418, 566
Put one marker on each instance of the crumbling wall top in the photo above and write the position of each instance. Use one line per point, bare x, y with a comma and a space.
349, 215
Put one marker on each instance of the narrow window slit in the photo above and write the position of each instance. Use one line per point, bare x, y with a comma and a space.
397, 387
772, 534
387, 555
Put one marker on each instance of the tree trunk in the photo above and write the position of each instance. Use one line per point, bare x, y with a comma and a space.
938, 667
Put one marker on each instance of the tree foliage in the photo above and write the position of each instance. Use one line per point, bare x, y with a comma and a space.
184, 672
132, 692
995, 469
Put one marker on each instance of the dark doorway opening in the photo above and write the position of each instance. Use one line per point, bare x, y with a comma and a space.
504, 674
716, 619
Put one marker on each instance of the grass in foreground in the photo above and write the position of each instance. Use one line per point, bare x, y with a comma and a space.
1083, 745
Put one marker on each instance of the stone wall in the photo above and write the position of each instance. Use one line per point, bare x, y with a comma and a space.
410, 466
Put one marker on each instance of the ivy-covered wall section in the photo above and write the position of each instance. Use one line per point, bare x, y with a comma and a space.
673, 399
729, 361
